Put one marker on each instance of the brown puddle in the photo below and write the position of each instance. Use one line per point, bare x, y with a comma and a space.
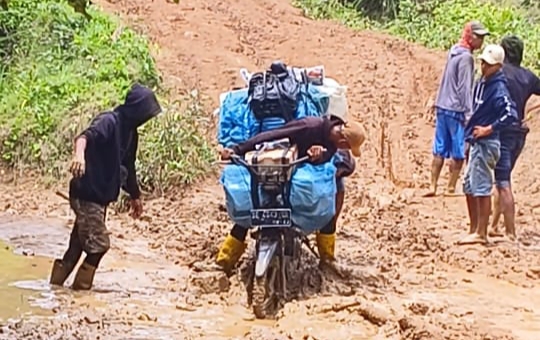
21, 279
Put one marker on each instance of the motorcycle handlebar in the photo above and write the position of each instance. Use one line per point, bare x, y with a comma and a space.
238, 160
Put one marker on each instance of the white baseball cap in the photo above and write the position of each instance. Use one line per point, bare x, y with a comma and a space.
492, 54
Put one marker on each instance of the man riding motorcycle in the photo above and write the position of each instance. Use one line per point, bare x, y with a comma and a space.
312, 135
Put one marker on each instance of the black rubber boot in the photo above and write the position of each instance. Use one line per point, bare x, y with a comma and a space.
60, 273
84, 278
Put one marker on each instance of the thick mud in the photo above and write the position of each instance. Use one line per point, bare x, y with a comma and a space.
409, 280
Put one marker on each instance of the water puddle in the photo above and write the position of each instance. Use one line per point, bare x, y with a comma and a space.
135, 288
23, 286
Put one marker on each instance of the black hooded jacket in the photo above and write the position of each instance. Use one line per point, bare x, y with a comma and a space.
522, 83
111, 149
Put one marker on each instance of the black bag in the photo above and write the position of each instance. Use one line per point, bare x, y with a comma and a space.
274, 93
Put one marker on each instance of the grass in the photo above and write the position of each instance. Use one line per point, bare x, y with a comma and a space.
58, 70
438, 24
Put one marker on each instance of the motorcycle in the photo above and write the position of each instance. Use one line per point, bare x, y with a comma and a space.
278, 242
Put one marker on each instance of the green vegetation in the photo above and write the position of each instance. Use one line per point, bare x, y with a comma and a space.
59, 69
435, 23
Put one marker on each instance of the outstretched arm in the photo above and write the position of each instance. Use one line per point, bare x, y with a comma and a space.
536, 84
131, 186
291, 130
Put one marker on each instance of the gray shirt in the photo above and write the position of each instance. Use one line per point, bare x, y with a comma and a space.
455, 90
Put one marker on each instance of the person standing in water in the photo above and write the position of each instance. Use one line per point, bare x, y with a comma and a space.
453, 106
104, 162
522, 84
494, 111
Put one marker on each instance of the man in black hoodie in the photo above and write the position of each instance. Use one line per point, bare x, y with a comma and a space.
522, 84
104, 162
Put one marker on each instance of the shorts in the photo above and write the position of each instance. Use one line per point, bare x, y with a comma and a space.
511, 147
449, 139
340, 184
483, 157
89, 228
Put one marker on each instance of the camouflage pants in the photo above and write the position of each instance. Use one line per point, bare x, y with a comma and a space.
89, 232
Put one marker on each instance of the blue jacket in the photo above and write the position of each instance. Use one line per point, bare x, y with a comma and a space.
492, 106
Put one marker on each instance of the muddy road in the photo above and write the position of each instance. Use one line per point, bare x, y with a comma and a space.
409, 279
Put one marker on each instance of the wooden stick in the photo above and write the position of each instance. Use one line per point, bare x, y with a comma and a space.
63, 195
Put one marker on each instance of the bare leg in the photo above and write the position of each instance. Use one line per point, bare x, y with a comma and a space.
484, 210
436, 167
494, 232
508, 211
472, 206
479, 207
455, 170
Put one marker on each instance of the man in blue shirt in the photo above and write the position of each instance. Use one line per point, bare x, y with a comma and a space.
522, 84
493, 110
103, 162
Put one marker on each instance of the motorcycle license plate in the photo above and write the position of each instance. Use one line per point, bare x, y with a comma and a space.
271, 217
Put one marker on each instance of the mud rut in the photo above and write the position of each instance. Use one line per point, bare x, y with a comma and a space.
409, 280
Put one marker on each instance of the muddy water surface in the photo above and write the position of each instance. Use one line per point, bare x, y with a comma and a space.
139, 294
20, 277
135, 291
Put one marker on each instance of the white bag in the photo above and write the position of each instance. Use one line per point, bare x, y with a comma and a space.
337, 94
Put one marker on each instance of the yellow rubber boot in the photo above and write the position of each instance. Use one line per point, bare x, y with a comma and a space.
326, 244
230, 252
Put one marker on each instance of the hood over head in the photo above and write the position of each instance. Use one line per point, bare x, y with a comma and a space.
140, 106
513, 49
466, 37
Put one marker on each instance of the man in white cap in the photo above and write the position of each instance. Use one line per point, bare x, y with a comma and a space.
493, 110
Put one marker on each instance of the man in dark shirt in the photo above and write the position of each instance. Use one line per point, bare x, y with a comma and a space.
312, 135
522, 84
104, 162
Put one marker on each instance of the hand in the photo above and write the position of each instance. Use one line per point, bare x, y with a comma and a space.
315, 152
226, 154
482, 131
136, 208
77, 166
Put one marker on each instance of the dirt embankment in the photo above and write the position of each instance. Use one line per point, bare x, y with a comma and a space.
409, 280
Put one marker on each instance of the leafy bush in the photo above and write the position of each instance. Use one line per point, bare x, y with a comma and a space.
173, 151
58, 70
344, 12
438, 23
